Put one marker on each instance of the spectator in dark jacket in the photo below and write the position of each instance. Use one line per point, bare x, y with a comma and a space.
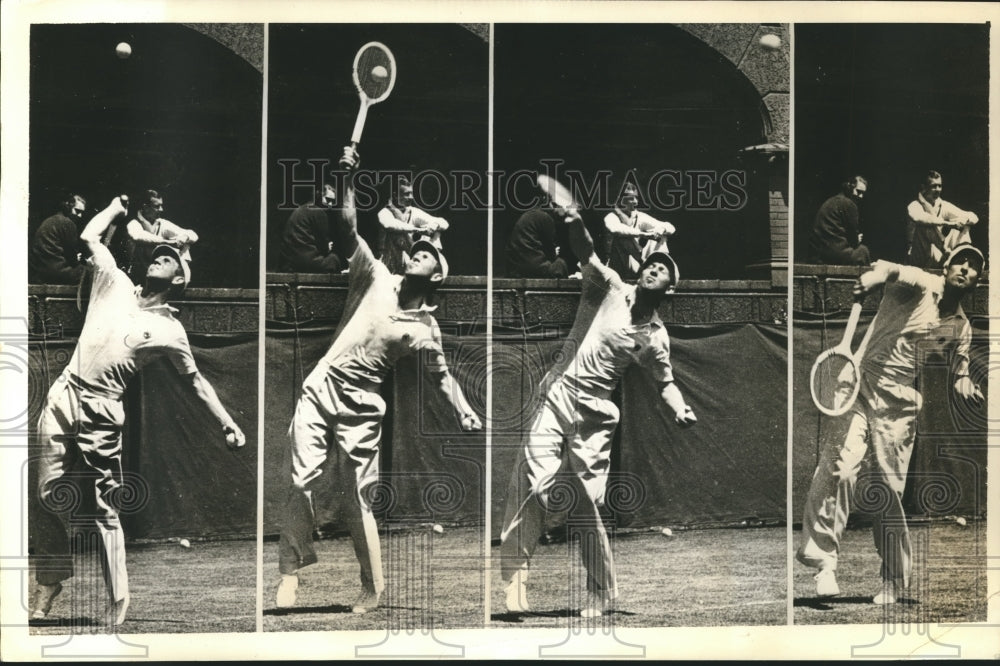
54, 255
533, 250
835, 235
307, 244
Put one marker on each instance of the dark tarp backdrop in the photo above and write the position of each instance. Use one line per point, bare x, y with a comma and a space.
190, 483
727, 469
431, 470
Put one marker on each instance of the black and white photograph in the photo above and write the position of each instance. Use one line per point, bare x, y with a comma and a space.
500, 330
891, 272
143, 254
639, 354
376, 334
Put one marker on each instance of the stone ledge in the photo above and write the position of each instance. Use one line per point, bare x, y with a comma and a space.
190, 294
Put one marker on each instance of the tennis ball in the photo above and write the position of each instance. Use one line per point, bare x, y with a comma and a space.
961, 521
379, 72
438, 529
231, 439
771, 42
184, 543
666, 531
123, 50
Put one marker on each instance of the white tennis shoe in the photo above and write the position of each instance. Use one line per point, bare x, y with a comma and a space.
285, 598
121, 608
597, 605
44, 596
517, 594
826, 583
888, 595
368, 601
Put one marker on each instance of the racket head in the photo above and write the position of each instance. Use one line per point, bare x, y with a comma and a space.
558, 193
834, 382
370, 86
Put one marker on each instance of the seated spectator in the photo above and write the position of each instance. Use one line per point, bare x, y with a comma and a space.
835, 235
307, 243
633, 235
532, 248
402, 224
935, 227
143, 233
54, 256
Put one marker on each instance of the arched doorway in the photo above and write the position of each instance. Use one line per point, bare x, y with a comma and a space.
879, 100
646, 98
181, 115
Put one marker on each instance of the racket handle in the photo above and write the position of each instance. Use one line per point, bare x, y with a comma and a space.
359, 124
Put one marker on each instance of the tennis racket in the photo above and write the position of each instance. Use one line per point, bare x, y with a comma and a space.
374, 76
835, 378
558, 194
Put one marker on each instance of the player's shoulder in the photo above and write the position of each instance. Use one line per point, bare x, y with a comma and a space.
660, 335
171, 323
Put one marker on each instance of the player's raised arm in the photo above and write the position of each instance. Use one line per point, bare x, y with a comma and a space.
880, 273
92, 233
347, 215
203, 389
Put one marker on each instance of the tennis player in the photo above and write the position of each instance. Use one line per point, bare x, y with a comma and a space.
81, 424
616, 325
386, 318
920, 314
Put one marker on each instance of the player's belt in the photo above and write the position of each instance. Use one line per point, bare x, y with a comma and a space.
83, 385
589, 388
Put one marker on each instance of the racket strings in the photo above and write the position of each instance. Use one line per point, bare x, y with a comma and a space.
834, 383
371, 64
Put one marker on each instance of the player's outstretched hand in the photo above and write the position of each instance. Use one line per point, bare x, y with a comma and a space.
880, 270
234, 436
119, 205
859, 287
471, 422
350, 160
686, 419
969, 390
